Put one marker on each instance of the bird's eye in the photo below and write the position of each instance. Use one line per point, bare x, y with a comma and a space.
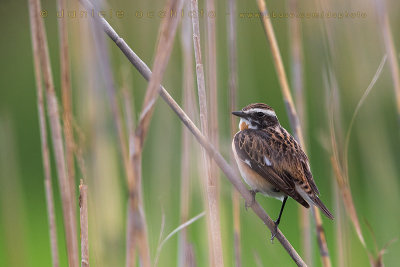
260, 114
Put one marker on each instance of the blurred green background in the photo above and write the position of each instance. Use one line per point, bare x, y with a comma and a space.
351, 48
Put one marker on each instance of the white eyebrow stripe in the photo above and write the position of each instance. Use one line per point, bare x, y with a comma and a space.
265, 111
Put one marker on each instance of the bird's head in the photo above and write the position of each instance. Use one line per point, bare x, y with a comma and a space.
256, 116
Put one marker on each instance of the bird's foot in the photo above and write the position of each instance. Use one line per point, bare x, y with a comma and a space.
253, 194
274, 231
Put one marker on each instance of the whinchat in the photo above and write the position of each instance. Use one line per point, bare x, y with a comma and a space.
271, 161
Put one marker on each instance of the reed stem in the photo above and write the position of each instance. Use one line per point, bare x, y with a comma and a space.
83, 211
233, 89
214, 231
44, 145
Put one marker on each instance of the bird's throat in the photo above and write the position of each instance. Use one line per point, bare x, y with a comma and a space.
243, 124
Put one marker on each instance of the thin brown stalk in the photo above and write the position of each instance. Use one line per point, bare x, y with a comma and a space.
383, 18
211, 69
296, 52
211, 75
233, 88
45, 147
214, 231
323, 246
188, 87
163, 52
131, 236
52, 110
340, 229
221, 162
127, 100
66, 99
184, 193
83, 211
293, 118
280, 71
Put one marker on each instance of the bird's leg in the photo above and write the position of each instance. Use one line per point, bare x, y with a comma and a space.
253, 193
275, 231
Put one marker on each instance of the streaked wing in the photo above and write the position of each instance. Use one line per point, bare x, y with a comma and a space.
294, 160
269, 156
307, 172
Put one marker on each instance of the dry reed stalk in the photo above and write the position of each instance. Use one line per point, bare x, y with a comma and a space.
130, 123
323, 247
128, 108
83, 211
280, 71
202, 140
296, 52
211, 76
44, 145
233, 89
383, 18
184, 191
188, 87
214, 231
293, 118
55, 126
66, 99
165, 43
340, 229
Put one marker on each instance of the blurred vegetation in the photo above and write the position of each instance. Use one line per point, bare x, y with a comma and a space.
352, 49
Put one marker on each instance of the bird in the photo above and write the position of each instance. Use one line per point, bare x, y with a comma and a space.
272, 162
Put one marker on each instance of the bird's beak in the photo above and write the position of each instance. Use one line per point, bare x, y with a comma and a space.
240, 114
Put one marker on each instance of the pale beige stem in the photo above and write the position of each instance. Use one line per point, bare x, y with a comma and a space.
233, 88
211, 75
184, 248
296, 52
83, 211
66, 99
44, 145
214, 231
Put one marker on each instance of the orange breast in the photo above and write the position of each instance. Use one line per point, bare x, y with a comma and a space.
243, 126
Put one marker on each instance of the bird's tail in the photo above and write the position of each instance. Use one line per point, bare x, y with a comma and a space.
322, 207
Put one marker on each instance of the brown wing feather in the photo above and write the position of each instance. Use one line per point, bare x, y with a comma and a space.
294, 160
253, 145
